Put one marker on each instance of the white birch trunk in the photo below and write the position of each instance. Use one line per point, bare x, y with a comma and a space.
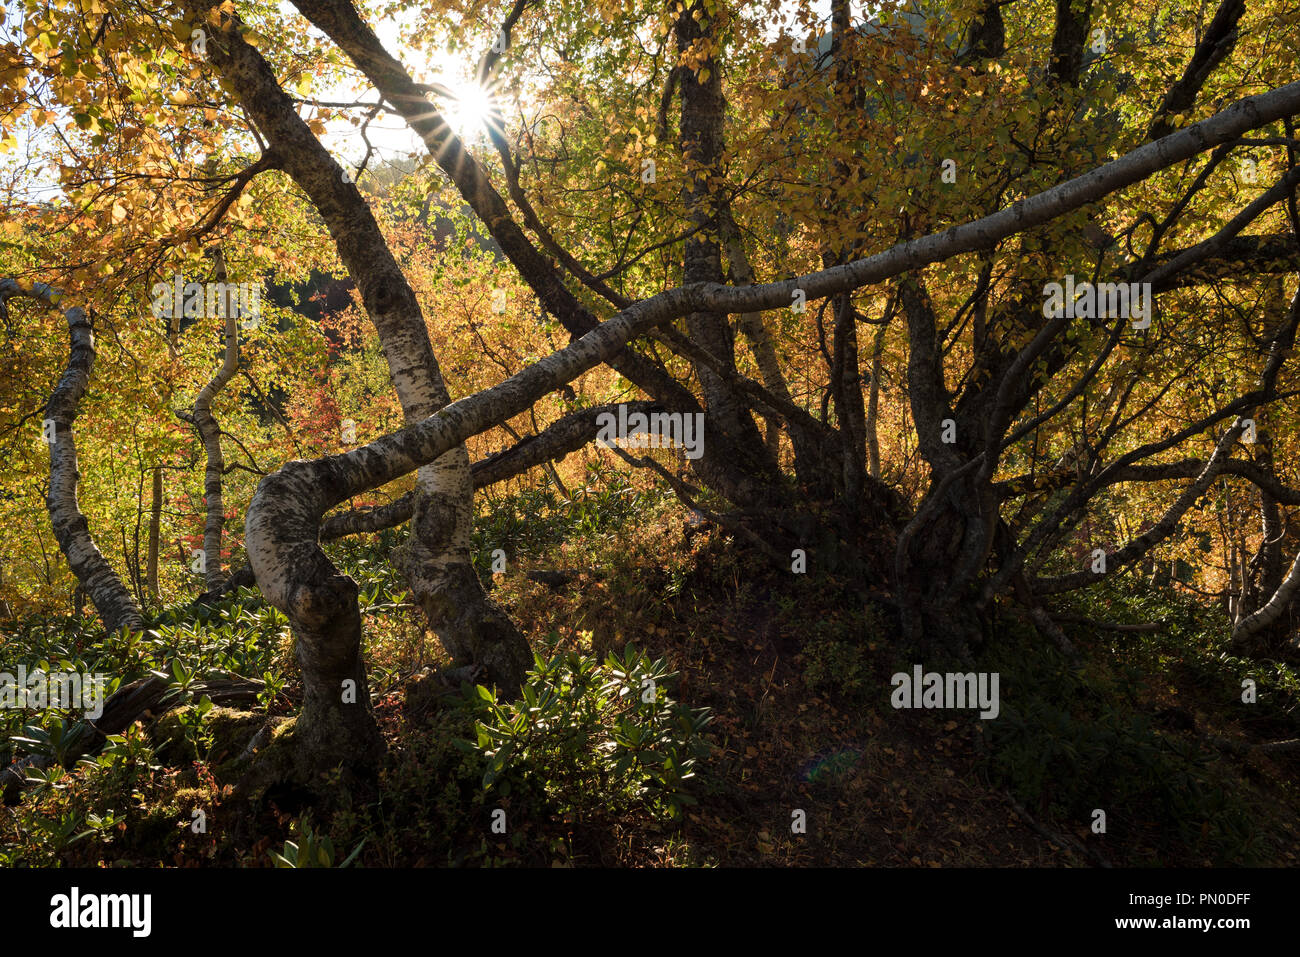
115, 605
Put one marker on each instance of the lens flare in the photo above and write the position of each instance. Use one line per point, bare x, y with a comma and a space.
468, 110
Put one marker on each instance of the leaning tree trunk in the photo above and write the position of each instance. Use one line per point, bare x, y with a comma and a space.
1271, 615
1262, 579
1262, 625
339, 20
117, 609
436, 559
283, 535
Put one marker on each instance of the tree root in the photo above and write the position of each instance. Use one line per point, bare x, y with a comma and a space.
275, 768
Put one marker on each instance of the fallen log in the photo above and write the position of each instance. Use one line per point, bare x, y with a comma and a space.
143, 699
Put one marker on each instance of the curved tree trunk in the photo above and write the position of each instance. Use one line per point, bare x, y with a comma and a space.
283, 521
283, 530
1261, 577
117, 609
1261, 625
567, 434
436, 559
1272, 611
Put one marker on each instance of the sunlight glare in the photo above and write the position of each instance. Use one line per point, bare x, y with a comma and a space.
468, 112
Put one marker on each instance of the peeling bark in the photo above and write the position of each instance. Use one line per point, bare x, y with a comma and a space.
114, 603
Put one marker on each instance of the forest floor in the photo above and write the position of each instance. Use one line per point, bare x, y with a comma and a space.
798, 681
795, 671
878, 786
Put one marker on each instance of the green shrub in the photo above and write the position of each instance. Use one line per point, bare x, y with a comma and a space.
589, 740
534, 520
